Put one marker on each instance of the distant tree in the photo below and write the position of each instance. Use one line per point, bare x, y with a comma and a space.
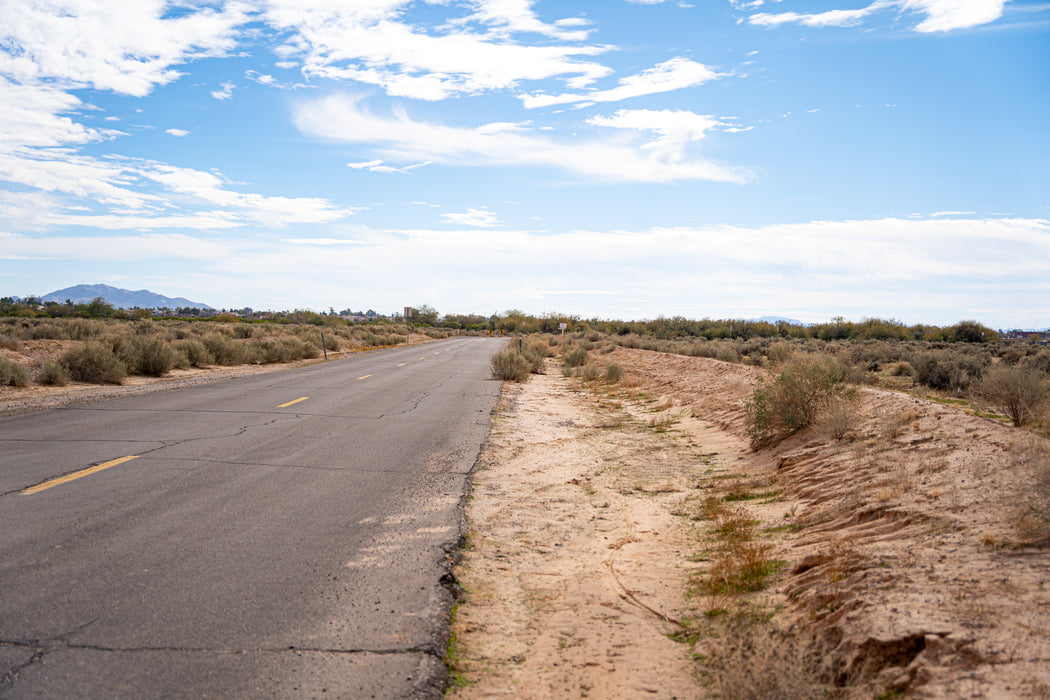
971, 332
426, 314
99, 308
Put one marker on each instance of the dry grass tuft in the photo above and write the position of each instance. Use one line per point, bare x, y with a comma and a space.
756, 661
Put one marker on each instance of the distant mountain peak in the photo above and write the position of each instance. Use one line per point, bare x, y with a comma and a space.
777, 319
120, 298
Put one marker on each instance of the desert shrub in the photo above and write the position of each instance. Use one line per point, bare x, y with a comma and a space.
195, 352
840, 414
630, 341
779, 351
540, 346
576, 358
800, 393
243, 331
902, 369
12, 373
82, 329
276, 350
9, 341
1019, 391
95, 363
510, 365
223, 350
535, 359
53, 373
47, 330
947, 370
331, 342
753, 660
613, 373
1012, 354
1031, 458
147, 355
591, 372
1039, 361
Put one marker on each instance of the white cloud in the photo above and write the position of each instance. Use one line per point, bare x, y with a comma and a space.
33, 116
666, 158
378, 166
941, 15
225, 93
933, 271
125, 47
366, 42
946, 15
513, 16
177, 132
675, 74
929, 270
473, 217
125, 248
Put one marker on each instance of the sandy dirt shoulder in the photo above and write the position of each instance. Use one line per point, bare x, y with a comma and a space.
906, 550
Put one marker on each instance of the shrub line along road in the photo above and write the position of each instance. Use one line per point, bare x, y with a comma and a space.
282, 534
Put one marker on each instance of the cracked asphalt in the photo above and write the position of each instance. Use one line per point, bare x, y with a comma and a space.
248, 550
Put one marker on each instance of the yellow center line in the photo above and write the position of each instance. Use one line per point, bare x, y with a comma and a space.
290, 403
365, 377
422, 358
76, 475
402, 364
438, 352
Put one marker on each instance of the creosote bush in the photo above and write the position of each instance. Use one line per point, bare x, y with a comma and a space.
95, 363
510, 365
577, 357
802, 391
12, 373
1019, 391
53, 373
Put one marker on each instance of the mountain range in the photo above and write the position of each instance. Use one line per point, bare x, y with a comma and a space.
120, 298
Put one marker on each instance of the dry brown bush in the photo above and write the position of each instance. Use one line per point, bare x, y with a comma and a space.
1019, 391
756, 661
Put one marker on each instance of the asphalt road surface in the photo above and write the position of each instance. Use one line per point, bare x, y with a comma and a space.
281, 535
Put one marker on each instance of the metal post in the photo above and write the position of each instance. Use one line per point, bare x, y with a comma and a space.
323, 347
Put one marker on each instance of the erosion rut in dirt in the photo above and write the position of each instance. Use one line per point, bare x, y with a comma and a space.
905, 552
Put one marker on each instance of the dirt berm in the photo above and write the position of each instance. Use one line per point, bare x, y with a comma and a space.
903, 559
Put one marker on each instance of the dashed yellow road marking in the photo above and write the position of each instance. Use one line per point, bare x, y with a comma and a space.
365, 377
290, 403
76, 475
402, 364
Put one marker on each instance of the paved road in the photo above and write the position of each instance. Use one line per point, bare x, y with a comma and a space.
279, 535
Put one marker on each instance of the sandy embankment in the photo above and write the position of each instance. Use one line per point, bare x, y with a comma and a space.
904, 542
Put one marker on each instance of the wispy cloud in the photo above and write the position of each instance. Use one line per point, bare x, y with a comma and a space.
177, 132
379, 166
668, 157
940, 15
675, 74
481, 218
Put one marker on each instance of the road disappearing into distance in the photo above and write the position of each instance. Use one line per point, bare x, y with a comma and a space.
283, 534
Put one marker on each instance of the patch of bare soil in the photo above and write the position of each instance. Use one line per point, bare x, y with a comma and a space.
910, 554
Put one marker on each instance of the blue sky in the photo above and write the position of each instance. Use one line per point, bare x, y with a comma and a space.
712, 158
